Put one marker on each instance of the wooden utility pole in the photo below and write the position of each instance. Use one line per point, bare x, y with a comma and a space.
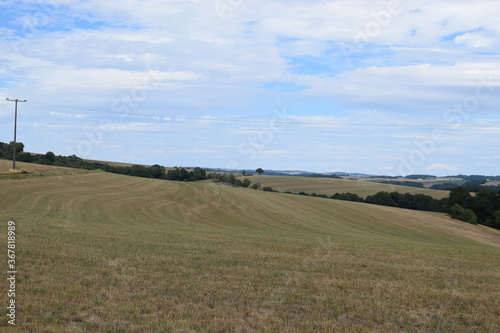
15, 130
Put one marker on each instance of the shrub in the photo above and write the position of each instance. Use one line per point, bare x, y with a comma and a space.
463, 214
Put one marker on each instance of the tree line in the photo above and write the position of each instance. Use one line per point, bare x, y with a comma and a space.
483, 208
402, 183
7, 149
155, 171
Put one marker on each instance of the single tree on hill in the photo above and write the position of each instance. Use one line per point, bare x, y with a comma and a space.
259, 171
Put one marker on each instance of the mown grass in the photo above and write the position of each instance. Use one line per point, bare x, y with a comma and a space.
330, 186
110, 253
6, 165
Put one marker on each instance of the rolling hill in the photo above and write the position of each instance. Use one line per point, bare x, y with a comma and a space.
111, 253
330, 186
6, 165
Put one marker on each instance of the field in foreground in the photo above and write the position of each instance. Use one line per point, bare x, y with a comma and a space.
109, 253
330, 186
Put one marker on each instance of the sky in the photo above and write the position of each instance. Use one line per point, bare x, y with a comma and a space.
390, 87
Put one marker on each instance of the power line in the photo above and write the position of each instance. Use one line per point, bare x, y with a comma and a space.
286, 122
15, 130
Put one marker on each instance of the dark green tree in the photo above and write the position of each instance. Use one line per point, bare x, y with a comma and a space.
156, 171
463, 214
460, 195
259, 171
496, 223
381, 198
199, 173
50, 156
25, 157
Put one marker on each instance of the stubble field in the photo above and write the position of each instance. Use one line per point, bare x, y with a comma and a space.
109, 253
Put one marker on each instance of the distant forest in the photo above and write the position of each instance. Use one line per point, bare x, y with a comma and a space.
482, 208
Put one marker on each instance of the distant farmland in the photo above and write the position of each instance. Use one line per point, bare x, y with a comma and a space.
109, 253
330, 186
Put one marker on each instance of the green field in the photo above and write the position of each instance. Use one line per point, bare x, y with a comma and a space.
330, 186
109, 253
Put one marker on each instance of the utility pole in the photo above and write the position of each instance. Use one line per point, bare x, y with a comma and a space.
15, 130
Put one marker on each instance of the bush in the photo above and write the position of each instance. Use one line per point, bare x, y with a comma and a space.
496, 221
463, 214
381, 198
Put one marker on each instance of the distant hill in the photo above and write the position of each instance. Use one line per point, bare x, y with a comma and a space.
294, 173
332, 186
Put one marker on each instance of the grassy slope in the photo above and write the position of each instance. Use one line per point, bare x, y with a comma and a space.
331, 186
103, 252
6, 165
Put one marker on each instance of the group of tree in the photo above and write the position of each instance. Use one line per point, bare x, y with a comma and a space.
156, 171
337, 196
403, 183
407, 200
182, 174
483, 208
7, 149
444, 186
420, 177
230, 179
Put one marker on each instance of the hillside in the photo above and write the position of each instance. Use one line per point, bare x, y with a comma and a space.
331, 186
105, 252
6, 165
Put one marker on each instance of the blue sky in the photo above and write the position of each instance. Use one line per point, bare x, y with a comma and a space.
381, 87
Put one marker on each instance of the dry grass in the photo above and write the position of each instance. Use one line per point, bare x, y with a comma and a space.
110, 253
6, 165
330, 186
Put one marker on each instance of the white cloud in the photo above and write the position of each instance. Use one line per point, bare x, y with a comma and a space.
67, 115
275, 152
192, 58
477, 40
441, 166
496, 157
203, 151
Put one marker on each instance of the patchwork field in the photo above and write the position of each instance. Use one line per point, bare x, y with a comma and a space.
109, 253
330, 186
